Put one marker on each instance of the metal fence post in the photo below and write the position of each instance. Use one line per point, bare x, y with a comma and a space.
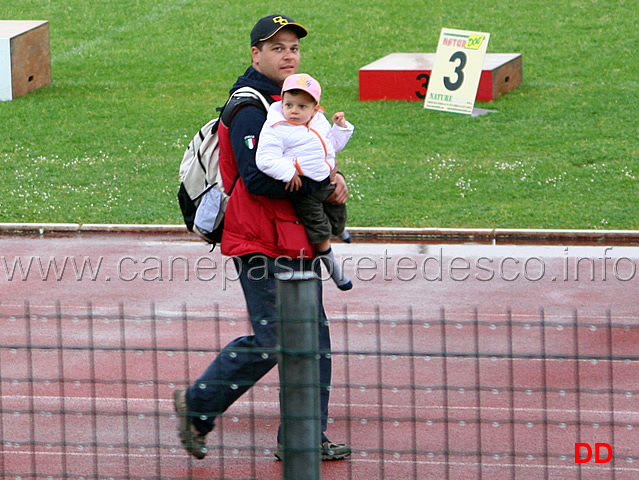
299, 375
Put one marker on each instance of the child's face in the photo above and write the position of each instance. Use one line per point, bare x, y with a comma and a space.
298, 107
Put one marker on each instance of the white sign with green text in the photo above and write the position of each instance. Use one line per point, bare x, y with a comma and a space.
457, 70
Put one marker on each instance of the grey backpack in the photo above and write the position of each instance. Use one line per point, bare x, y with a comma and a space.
202, 195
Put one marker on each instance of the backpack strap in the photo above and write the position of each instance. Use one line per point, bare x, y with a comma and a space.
241, 97
250, 92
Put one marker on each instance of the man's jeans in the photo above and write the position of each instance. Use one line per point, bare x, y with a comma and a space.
247, 359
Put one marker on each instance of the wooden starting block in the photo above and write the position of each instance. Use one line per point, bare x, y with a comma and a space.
25, 58
404, 76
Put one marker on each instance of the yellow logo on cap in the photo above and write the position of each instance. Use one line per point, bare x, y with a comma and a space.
280, 20
304, 81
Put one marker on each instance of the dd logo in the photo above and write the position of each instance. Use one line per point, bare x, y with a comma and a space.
598, 447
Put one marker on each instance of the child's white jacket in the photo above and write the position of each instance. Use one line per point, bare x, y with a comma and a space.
285, 148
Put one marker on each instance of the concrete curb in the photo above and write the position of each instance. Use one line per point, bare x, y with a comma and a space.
53, 228
501, 236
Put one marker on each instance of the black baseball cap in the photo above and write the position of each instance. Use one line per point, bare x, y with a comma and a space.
266, 27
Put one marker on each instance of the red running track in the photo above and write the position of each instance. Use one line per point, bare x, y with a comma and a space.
451, 361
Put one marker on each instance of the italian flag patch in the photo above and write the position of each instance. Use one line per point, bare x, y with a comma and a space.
249, 141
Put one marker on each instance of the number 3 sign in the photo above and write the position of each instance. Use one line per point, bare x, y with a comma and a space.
458, 65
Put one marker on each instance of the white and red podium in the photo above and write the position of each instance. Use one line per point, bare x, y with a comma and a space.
404, 76
25, 59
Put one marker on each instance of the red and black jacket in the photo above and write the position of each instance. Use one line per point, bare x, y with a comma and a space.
260, 217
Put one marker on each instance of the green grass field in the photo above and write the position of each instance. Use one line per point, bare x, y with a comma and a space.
134, 79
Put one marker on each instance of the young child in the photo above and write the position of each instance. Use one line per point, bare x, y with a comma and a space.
298, 141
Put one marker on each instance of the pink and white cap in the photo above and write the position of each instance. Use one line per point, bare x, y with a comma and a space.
303, 81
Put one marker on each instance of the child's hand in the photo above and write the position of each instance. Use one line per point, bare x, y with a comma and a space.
294, 183
339, 119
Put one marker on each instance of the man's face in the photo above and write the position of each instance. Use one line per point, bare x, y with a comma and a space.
279, 57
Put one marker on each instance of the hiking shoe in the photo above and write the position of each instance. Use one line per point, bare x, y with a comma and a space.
193, 441
329, 451
335, 451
